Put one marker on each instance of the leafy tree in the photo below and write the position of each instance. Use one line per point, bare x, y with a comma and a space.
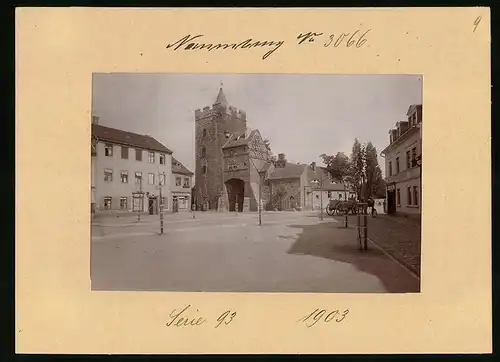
339, 167
358, 167
270, 154
375, 184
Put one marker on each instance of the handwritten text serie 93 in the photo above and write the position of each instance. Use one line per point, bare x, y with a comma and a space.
186, 318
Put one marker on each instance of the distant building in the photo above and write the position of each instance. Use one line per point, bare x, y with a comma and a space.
403, 160
128, 170
182, 182
330, 189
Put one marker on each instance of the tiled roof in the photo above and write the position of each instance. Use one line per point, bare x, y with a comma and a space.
290, 170
179, 168
327, 184
239, 139
128, 138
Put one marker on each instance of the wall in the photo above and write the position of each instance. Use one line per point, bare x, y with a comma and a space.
216, 121
407, 176
400, 150
405, 207
290, 187
117, 189
186, 192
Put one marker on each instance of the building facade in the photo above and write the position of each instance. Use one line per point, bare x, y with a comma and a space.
403, 164
130, 172
182, 182
231, 159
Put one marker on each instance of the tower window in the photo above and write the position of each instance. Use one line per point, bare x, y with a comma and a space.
203, 152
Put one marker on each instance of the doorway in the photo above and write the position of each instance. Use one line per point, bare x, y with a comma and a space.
391, 202
236, 194
152, 205
175, 205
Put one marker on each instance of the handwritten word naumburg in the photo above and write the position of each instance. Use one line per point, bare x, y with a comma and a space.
188, 43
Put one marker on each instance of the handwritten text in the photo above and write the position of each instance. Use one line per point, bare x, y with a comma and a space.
323, 316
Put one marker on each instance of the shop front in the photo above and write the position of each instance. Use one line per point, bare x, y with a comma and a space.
181, 201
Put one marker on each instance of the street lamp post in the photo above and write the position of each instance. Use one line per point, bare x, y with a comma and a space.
162, 181
320, 183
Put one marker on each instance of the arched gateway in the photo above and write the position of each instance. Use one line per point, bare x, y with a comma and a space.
236, 193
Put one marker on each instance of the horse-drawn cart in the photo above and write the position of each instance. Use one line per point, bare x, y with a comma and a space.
339, 207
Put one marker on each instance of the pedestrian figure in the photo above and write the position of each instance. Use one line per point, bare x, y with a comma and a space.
371, 204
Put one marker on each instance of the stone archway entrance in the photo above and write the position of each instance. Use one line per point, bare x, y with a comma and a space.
236, 193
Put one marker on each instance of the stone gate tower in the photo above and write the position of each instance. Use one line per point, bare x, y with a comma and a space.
213, 125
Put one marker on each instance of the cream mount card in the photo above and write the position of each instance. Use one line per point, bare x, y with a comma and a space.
286, 278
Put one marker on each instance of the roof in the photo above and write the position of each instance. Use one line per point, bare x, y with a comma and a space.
290, 170
412, 107
221, 98
115, 135
238, 139
179, 168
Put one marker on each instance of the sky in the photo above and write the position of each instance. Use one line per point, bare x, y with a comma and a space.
302, 115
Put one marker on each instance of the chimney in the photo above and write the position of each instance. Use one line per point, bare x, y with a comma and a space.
313, 166
281, 160
95, 120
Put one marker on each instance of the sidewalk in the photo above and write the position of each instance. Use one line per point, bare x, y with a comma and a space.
398, 236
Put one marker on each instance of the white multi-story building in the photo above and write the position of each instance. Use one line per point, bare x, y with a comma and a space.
130, 172
403, 164
182, 181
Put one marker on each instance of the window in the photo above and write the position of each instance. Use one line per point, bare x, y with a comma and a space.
125, 153
203, 151
107, 203
186, 182
340, 196
138, 154
123, 203
151, 178
203, 169
124, 176
408, 160
415, 195
151, 157
329, 194
108, 174
138, 178
161, 179
390, 168
317, 196
177, 181
204, 133
409, 196
162, 159
397, 165
398, 197
108, 150
414, 156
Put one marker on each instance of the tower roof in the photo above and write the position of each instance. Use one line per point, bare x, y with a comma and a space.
221, 98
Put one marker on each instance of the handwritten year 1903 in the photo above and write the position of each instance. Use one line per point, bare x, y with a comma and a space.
324, 316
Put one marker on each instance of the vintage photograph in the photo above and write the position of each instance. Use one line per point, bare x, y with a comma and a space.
256, 182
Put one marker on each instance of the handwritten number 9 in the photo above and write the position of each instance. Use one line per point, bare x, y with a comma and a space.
476, 22
226, 317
